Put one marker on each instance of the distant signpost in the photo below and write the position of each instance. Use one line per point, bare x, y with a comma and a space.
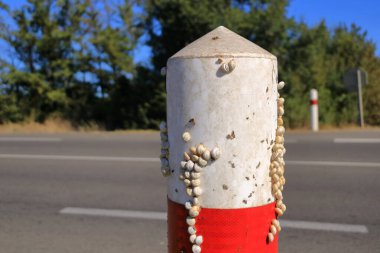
354, 79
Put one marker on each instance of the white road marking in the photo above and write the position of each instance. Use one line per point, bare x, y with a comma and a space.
324, 226
333, 163
80, 158
114, 213
30, 139
309, 225
357, 140
152, 159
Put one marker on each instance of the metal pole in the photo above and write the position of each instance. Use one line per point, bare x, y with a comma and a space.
222, 147
314, 121
360, 99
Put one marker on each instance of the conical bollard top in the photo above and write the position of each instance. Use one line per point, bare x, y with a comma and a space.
222, 42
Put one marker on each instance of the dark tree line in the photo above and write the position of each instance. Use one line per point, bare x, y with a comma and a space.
74, 59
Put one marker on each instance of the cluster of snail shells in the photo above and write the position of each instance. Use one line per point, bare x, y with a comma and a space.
164, 156
192, 165
277, 167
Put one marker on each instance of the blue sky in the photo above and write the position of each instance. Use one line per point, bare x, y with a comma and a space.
365, 13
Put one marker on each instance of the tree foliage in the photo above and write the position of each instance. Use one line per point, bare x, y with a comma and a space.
74, 59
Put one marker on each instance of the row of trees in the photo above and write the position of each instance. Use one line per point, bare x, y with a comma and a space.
74, 59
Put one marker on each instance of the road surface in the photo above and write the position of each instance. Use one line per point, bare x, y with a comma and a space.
104, 193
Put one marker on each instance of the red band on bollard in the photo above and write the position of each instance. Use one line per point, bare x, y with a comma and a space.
241, 230
313, 102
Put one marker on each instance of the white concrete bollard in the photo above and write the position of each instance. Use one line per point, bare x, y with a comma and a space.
225, 146
314, 121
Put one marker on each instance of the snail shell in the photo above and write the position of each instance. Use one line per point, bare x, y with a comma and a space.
189, 191
186, 136
273, 229
270, 237
194, 211
188, 205
181, 177
280, 130
280, 111
191, 230
215, 153
183, 164
196, 201
164, 137
163, 126
195, 175
195, 182
279, 211
187, 174
280, 101
280, 121
194, 158
165, 145
164, 162
225, 68
206, 155
189, 165
165, 171
192, 238
199, 240
283, 207
279, 139
197, 191
278, 195
190, 221
193, 150
186, 156
197, 168
200, 149
280, 85
187, 182
196, 248
202, 162
231, 65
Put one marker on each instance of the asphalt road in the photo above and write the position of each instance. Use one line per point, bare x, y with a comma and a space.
331, 178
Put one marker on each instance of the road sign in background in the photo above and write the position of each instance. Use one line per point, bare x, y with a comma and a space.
353, 81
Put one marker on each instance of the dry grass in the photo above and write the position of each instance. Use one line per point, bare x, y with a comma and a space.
62, 126
59, 126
